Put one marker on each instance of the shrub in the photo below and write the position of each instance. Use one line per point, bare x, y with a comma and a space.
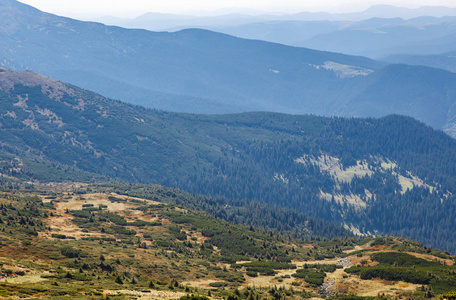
80, 214
193, 297
391, 274
120, 230
218, 284
70, 252
252, 274
59, 236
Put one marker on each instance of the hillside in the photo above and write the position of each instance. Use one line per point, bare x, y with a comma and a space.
341, 170
200, 71
88, 242
445, 61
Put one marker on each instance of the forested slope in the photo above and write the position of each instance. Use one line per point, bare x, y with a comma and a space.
392, 175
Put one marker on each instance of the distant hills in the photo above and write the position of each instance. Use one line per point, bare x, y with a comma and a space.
387, 176
378, 38
172, 22
377, 32
200, 71
374, 37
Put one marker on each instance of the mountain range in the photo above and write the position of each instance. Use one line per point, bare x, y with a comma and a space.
172, 22
378, 176
379, 38
181, 71
376, 33
119, 199
372, 37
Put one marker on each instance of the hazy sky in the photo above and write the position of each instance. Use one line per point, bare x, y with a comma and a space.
137, 7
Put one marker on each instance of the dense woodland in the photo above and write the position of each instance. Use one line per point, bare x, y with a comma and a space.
418, 213
287, 221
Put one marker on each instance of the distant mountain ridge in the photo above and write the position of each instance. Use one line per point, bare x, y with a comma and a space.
172, 22
373, 37
380, 31
200, 71
378, 38
377, 32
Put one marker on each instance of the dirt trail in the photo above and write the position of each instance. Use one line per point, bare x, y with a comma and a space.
203, 283
147, 295
357, 248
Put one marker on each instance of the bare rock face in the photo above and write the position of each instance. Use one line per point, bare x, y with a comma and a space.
344, 262
327, 289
